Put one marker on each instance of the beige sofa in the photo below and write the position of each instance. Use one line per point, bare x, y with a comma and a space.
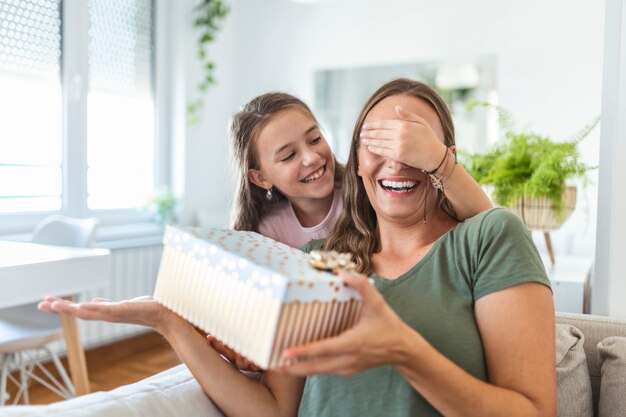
588, 378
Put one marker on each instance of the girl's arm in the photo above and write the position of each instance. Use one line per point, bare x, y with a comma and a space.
461, 189
232, 391
522, 380
412, 141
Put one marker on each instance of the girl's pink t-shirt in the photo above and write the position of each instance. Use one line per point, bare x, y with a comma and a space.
283, 225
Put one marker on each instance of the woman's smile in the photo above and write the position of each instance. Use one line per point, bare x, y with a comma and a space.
398, 187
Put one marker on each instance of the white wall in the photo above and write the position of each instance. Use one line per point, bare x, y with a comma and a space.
549, 69
200, 152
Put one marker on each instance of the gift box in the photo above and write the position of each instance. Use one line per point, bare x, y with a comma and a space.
255, 295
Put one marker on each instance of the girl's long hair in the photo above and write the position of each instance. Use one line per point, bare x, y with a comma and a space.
250, 204
355, 231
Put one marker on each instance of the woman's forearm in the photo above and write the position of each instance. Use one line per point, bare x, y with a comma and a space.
232, 391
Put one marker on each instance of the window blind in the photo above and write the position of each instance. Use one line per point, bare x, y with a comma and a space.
30, 105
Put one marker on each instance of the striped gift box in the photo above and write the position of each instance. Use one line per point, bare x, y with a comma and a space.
255, 295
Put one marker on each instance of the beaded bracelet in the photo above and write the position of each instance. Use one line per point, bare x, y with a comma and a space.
434, 171
445, 181
440, 182
436, 181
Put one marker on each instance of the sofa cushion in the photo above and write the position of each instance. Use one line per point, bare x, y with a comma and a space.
612, 351
174, 392
573, 383
595, 329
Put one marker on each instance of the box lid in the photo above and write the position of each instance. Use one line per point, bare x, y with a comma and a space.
259, 261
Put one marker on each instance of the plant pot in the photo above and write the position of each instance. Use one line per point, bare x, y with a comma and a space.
538, 214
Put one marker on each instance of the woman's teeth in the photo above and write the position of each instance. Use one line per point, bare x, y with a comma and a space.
398, 186
315, 175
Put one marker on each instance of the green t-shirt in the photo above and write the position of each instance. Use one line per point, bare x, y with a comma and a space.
436, 297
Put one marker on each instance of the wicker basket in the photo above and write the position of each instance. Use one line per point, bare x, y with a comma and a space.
538, 213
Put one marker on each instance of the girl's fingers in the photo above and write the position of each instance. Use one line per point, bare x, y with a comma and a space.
388, 153
382, 124
230, 355
378, 143
62, 306
411, 117
52, 299
381, 134
44, 306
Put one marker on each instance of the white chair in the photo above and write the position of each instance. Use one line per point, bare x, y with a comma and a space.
26, 332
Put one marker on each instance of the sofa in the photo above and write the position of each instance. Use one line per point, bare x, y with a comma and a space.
590, 361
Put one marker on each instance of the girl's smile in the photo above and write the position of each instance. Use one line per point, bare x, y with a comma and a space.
316, 176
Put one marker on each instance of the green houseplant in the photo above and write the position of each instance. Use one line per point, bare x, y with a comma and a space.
162, 206
529, 173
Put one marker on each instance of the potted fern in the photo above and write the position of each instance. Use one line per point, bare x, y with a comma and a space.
531, 174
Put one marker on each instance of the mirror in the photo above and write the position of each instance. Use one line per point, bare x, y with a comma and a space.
340, 94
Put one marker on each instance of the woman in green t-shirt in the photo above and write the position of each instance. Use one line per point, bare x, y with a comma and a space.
462, 323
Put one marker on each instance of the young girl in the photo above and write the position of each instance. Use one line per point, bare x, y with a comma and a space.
289, 182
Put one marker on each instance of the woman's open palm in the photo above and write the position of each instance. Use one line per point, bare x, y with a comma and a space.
144, 310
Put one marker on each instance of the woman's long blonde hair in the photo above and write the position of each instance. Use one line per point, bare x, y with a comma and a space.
355, 231
251, 204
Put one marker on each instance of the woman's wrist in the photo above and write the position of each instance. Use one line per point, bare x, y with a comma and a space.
439, 155
410, 343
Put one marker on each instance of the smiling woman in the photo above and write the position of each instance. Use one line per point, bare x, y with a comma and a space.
433, 340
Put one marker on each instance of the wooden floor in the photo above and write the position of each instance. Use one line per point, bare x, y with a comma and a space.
118, 364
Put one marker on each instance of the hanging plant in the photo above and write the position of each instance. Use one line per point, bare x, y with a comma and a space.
209, 15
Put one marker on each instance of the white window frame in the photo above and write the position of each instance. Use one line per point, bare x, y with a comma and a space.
74, 73
609, 281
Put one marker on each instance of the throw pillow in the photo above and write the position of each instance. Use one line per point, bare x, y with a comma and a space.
573, 384
612, 352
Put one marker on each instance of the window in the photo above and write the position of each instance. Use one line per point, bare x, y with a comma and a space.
120, 110
77, 83
30, 102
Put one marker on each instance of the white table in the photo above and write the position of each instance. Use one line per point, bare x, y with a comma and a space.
30, 271
570, 282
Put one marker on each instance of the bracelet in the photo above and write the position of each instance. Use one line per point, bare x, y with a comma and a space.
440, 182
445, 157
437, 181
456, 162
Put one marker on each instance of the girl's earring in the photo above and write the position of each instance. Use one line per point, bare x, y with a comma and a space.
268, 194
